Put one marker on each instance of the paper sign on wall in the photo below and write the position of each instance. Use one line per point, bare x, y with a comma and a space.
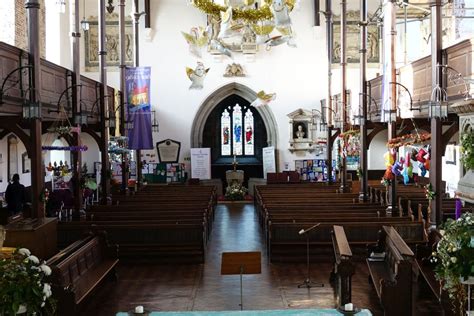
268, 160
201, 163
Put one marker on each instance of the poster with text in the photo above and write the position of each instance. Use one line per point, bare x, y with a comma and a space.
269, 164
201, 163
137, 94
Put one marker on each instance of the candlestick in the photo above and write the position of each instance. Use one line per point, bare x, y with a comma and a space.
349, 307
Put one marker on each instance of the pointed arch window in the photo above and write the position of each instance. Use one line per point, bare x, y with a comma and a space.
237, 131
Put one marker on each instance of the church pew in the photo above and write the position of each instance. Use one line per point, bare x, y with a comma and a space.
78, 270
284, 241
393, 275
343, 266
151, 239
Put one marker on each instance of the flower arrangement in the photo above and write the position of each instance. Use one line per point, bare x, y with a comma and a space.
235, 192
430, 194
22, 285
455, 256
467, 150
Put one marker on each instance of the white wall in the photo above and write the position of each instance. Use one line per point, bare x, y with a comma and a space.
378, 147
25, 178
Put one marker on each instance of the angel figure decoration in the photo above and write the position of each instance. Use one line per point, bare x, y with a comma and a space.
197, 75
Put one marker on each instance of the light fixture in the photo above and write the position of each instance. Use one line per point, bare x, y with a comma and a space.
155, 126
80, 118
110, 122
129, 125
438, 105
31, 110
110, 8
84, 22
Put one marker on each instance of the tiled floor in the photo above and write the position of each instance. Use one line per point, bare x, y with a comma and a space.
201, 287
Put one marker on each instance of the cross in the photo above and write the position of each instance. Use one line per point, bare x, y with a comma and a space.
235, 163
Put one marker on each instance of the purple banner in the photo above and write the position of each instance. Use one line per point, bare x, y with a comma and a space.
137, 93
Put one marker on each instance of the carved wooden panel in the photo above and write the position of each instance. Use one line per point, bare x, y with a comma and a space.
10, 59
460, 57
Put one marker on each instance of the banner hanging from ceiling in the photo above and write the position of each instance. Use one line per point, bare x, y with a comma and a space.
137, 81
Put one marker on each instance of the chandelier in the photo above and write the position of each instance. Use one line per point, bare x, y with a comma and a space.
241, 26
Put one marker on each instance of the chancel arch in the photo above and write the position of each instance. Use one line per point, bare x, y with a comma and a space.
228, 125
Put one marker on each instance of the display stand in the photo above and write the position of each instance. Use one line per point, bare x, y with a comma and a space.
307, 283
241, 263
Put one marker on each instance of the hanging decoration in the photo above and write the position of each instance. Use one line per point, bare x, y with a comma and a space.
409, 139
197, 76
263, 98
65, 148
197, 39
242, 25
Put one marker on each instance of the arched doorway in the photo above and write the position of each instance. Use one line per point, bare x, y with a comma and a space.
207, 130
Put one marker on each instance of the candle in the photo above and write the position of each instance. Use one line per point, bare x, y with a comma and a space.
349, 307
139, 309
458, 208
234, 159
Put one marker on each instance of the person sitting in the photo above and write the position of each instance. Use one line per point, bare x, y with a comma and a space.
15, 195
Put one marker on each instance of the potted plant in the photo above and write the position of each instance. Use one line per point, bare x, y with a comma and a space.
455, 258
23, 289
235, 192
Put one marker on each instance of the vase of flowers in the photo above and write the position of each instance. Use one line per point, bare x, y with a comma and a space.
235, 192
23, 289
455, 258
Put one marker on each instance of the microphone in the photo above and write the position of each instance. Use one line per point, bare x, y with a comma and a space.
304, 231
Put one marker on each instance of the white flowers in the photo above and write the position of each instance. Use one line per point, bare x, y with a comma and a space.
47, 290
45, 269
454, 259
24, 251
33, 259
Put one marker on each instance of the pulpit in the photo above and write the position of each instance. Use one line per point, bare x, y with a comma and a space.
234, 176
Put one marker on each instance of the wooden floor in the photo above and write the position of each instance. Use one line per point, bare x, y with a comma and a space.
201, 287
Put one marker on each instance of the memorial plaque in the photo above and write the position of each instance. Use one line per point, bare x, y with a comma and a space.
168, 150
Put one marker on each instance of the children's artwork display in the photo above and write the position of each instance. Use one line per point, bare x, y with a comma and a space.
314, 170
164, 172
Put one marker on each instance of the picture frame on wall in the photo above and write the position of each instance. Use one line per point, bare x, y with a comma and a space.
353, 34
25, 163
91, 43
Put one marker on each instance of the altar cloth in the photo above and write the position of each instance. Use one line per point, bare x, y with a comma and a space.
285, 312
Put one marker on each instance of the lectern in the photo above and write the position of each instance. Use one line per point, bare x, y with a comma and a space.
241, 263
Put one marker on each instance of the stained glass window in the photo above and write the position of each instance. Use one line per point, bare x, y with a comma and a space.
225, 133
249, 132
237, 124
237, 131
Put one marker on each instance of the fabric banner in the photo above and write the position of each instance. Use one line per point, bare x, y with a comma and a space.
137, 81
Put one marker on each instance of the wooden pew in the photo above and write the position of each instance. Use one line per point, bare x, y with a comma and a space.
79, 269
284, 243
151, 239
343, 266
393, 277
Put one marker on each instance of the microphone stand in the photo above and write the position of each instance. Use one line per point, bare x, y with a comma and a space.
308, 283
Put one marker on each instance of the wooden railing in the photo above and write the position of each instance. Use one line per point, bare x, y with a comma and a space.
54, 80
416, 76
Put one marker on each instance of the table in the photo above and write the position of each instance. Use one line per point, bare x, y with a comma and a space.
286, 312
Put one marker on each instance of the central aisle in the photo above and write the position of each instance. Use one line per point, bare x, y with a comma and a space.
236, 228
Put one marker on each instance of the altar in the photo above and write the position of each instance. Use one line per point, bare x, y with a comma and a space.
286, 312
234, 176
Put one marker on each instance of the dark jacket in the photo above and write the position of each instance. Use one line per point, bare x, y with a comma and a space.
15, 197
